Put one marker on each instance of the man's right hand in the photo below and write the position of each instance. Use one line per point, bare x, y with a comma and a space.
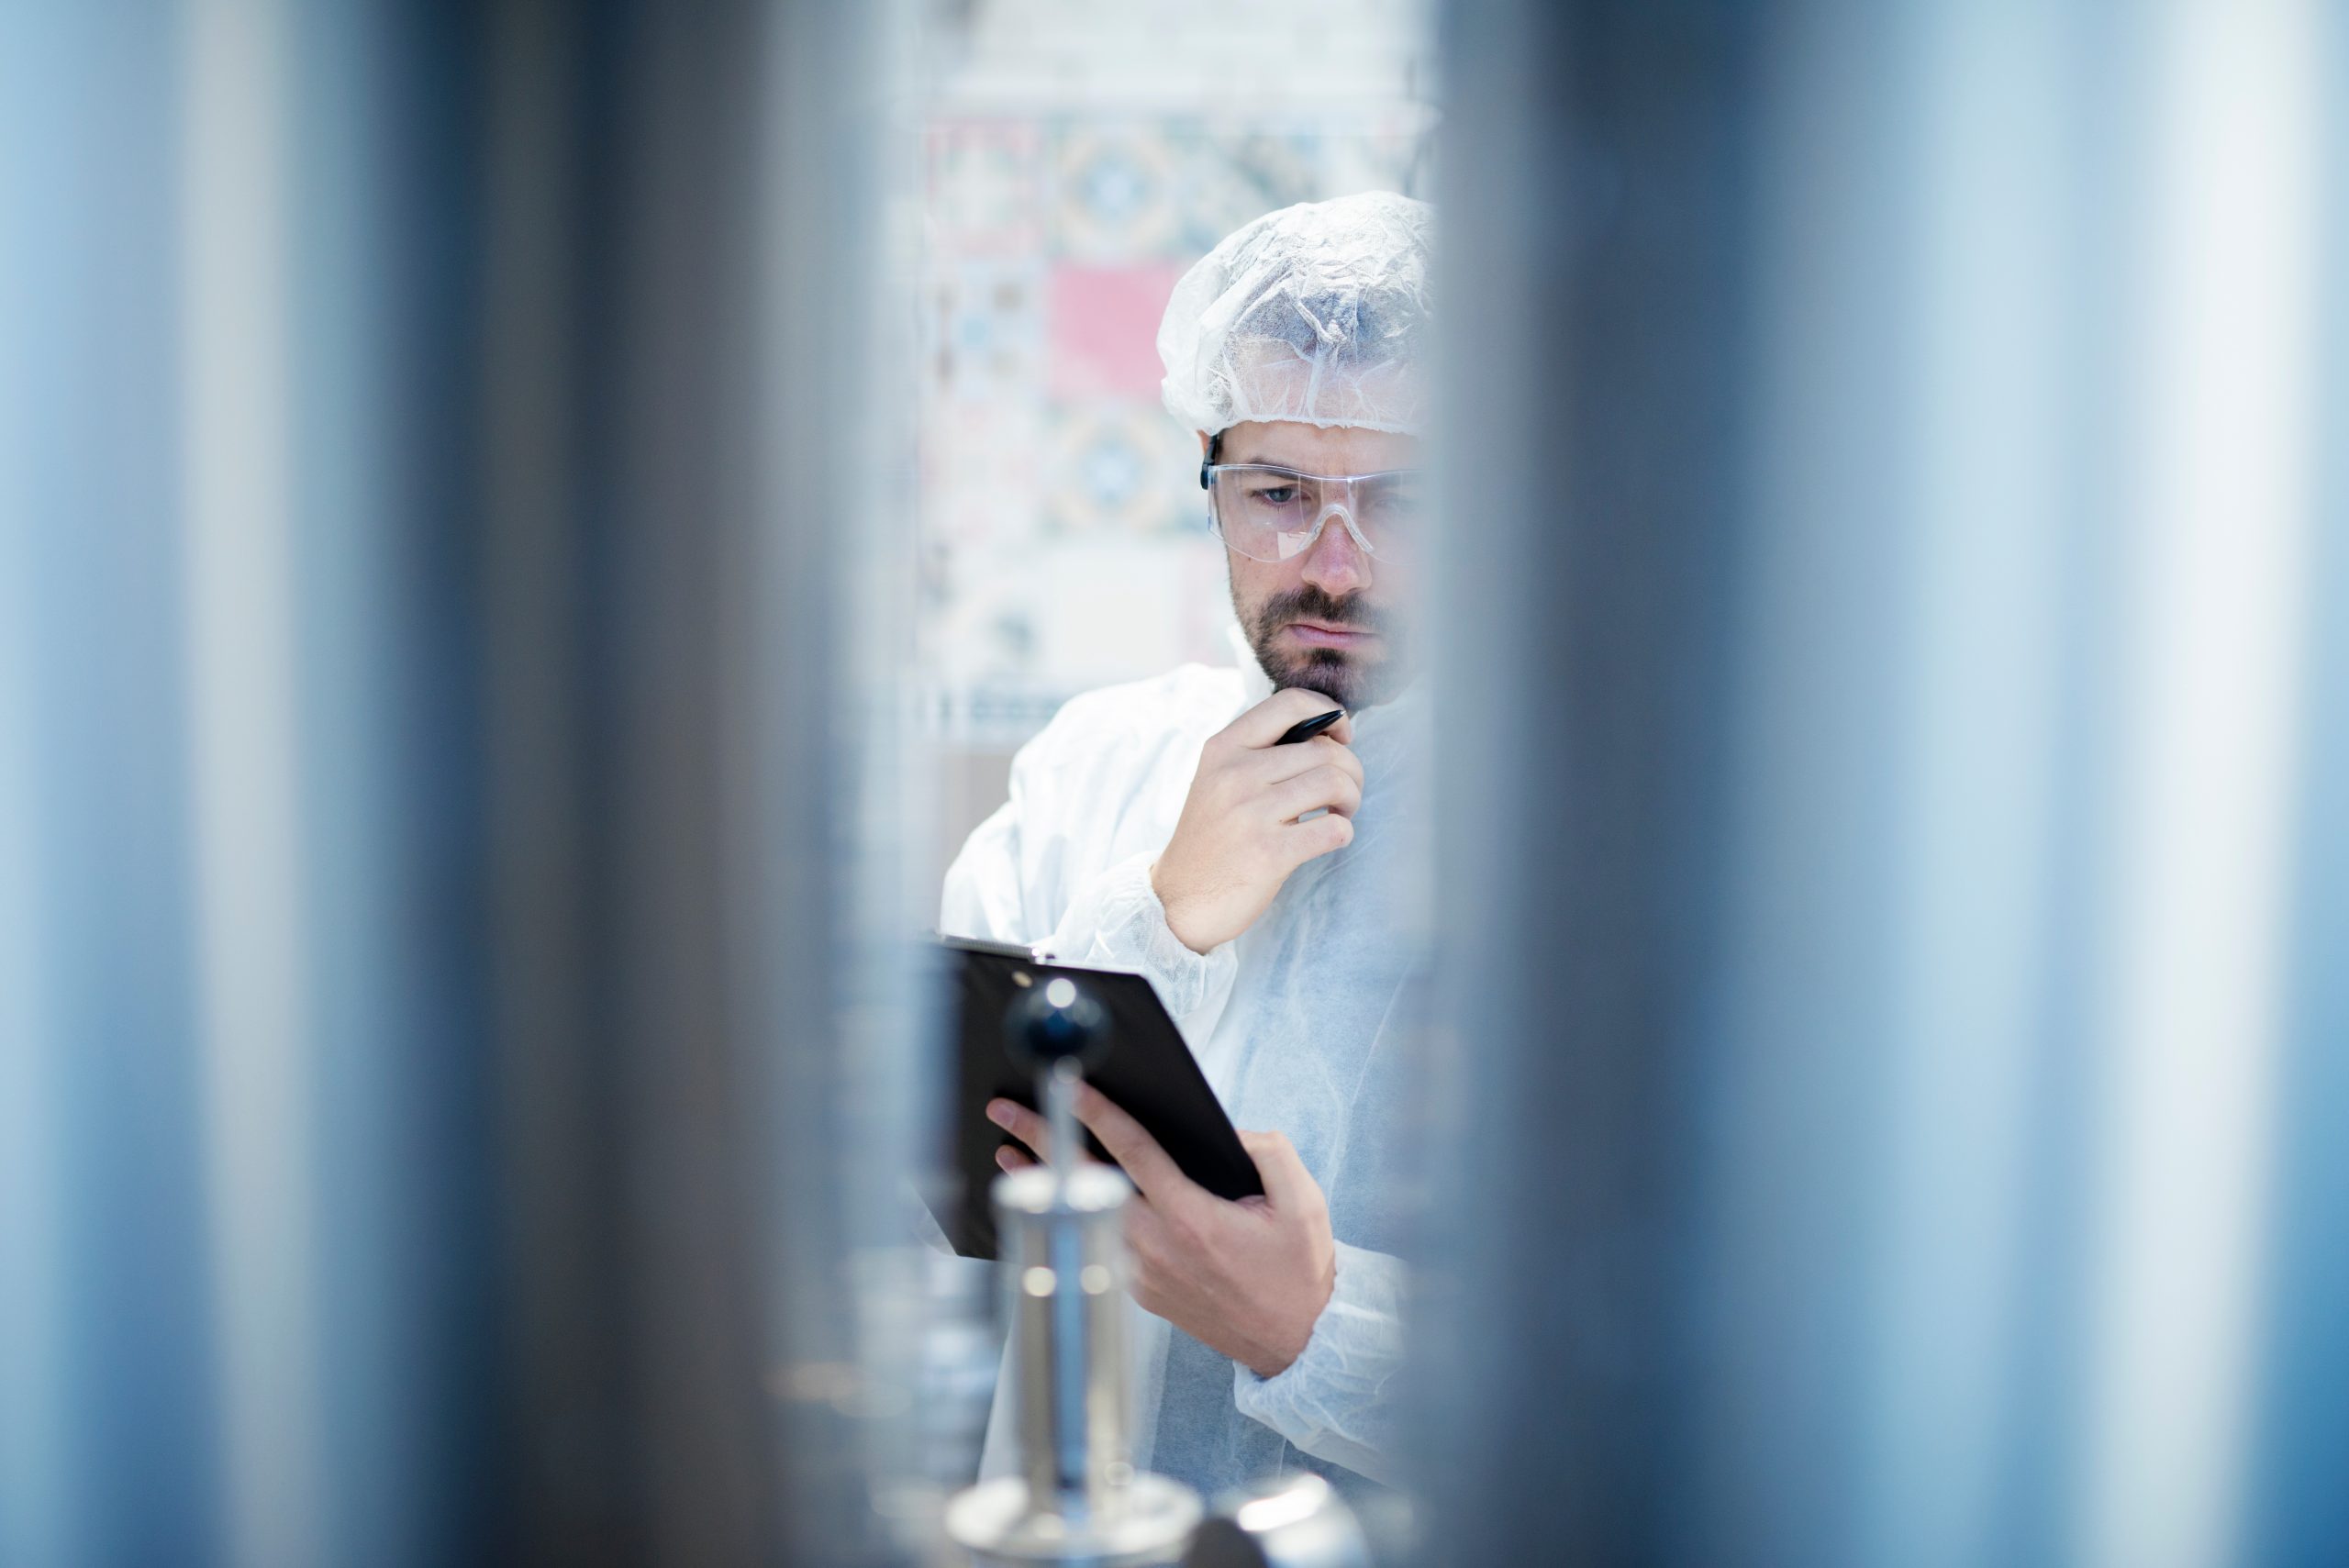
1239, 836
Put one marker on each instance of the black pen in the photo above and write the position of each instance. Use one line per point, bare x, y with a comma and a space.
1310, 728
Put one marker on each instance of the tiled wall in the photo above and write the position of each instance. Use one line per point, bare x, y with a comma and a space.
1076, 159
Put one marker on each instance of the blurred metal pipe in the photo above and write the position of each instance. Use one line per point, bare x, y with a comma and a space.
542, 286
107, 1402
686, 222
284, 606
2298, 1511
246, 796
1594, 222
833, 975
1873, 720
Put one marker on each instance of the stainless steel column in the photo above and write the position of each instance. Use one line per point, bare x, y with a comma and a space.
1594, 212
701, 977
1890, 709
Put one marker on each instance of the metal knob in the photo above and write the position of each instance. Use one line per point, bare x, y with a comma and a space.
1056, 1022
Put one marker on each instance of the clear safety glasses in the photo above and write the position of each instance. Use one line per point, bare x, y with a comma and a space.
1267, 513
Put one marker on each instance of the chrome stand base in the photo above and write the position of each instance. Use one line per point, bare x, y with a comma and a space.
1152, 1520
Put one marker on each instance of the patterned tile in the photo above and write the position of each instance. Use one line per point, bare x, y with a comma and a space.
1118, 469
984, 189
983, 473
982, 336
1113, 192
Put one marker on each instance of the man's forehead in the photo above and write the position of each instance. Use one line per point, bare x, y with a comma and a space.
1324, 448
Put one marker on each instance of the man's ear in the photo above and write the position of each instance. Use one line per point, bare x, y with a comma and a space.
1203, 443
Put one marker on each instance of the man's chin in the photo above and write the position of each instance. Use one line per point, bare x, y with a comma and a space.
1352, 683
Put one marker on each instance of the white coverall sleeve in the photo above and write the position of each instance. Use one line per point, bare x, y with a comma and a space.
1333, 1401
986, 896
1117, 922
1012, 884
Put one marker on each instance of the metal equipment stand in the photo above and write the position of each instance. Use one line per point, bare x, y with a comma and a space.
1077, 1498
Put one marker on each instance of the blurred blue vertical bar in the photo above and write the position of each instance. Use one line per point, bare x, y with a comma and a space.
842, 785
836, 997
241, 1217
2195, 916
2097, 54
1885, 1283
1599, 202
1800, 994
32, 1394
552, 122
106, 1398
34, 1528
2299, 1500
1998, 202
372, 1178
252, 546
382, 101
1867, 974
256, 988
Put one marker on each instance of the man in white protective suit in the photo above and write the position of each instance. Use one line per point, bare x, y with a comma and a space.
1157, 827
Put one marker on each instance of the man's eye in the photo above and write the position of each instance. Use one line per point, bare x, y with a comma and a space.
1274, 494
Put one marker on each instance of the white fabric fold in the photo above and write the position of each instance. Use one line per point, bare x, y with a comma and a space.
1336, 1400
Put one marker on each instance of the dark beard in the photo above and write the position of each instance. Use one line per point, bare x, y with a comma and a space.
1343, 677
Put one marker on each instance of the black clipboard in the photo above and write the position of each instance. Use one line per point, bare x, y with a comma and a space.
1149, 1071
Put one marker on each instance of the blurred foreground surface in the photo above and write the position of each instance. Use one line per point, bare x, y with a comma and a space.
477, 485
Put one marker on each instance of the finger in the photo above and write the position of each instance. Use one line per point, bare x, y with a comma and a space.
1153, 1170
1031, 1129
1303, 842
1153, 1255
1287, 1183
1278, 763
1274, 716
1329, 788
1022, 1124
1009, 1158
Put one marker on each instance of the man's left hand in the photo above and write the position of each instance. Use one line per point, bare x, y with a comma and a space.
1248, 1279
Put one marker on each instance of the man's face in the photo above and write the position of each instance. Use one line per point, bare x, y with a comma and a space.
1332, 619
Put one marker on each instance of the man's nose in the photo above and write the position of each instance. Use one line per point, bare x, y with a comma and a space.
1336, 564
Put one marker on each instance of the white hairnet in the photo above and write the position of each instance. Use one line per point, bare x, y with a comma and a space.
1316, 312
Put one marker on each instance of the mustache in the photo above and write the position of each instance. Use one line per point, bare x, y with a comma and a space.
1308, 603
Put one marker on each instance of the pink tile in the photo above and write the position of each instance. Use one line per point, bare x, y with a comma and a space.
1102, 332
